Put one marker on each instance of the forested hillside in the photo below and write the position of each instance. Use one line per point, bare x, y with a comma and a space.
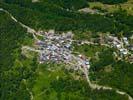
110, 1
20, 75
22, 78
14, 68
51, 16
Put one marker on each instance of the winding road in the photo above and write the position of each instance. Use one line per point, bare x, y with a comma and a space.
85, 70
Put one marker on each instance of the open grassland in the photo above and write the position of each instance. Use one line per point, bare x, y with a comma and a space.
89, 50
128, 6
60, 84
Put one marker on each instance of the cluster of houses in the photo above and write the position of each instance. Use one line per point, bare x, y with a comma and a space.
84, 62
55, 47
58, 48
115, 42
91, 11
123, 46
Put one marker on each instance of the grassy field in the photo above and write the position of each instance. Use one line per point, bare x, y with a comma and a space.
89, 50
61, 85
128, 6
43, 80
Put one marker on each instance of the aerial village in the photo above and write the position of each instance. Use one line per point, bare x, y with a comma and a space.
59, 48
124, 48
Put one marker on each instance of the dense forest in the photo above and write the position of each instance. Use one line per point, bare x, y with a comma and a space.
51, 16
13, 70
71, 4
110, 1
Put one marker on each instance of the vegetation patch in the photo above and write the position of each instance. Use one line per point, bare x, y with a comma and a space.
89, 50
48, 16
14, 68
60, 85
119, 77
111, 1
